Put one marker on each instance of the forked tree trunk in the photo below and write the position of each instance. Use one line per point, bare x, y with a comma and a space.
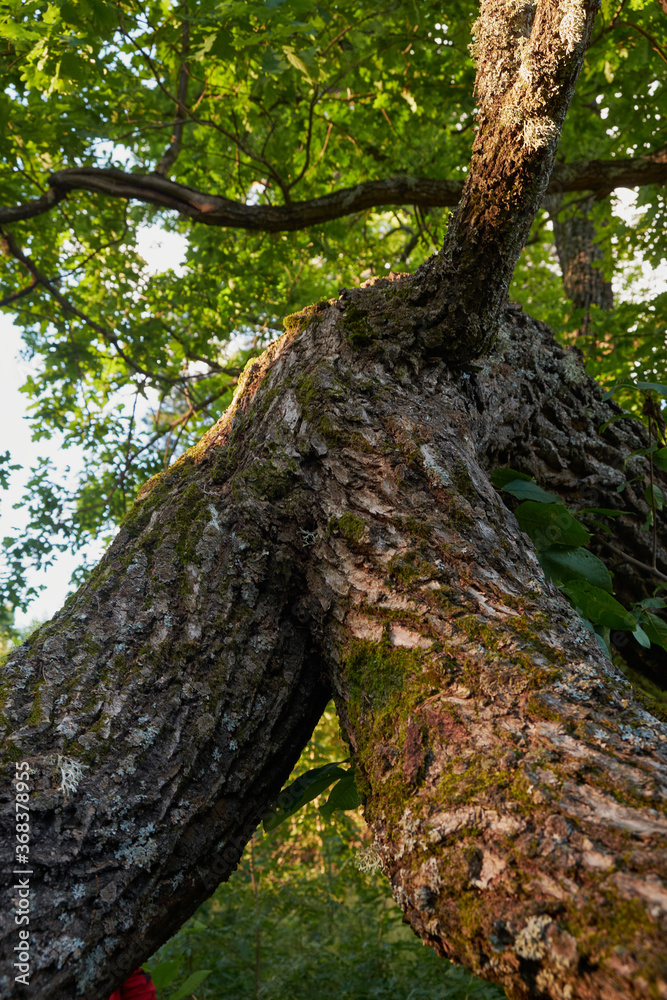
336, 529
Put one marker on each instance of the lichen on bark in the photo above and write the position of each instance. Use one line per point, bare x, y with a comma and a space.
503, 760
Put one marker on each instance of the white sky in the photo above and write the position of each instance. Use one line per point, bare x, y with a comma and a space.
161, 251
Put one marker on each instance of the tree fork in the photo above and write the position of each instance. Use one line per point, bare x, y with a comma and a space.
528, 56
336, 528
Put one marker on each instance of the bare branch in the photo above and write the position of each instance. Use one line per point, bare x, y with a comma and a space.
597, 176
653, 43
21, 293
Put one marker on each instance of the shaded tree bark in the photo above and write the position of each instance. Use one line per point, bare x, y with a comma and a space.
529, 427
579, 255
336, 529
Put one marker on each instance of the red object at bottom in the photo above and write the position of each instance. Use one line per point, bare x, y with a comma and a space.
138, 987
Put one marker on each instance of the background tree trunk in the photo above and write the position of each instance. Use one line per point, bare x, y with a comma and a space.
337, 527
579, 255
546, 423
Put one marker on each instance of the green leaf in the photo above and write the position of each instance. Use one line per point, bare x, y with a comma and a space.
523, 490
641, 637
298, 63
660, 459
658, 497
652, 603
191, 984
550, 524
658, 387
599, 606
344, 795
273, 63
565, 564
306, 787
626, 383
655, 628
501, 477
619, 416
604, 511
164, 973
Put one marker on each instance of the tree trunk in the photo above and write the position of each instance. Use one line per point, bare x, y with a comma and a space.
336, 530
579, 255
527, 423
528, 58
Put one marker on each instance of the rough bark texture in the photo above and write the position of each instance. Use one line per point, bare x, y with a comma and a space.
579, 255
337, 527
160, 712
548, 426
528, 59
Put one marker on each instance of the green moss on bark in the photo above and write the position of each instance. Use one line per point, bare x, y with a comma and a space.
349, 525
298, 321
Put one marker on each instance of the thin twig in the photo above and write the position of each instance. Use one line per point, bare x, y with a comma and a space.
654, 45
171, 426
106, 335
103, 246
171, 153
309, 136
635, 562
207, 122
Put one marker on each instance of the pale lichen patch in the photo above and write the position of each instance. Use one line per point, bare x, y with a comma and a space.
401, 636
530, 943
493, 867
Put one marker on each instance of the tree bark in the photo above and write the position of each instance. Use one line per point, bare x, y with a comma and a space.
526, 423
336, 530
579, 255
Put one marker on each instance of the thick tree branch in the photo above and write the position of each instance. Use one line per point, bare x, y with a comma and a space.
528, 60
29, 209
598, 176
